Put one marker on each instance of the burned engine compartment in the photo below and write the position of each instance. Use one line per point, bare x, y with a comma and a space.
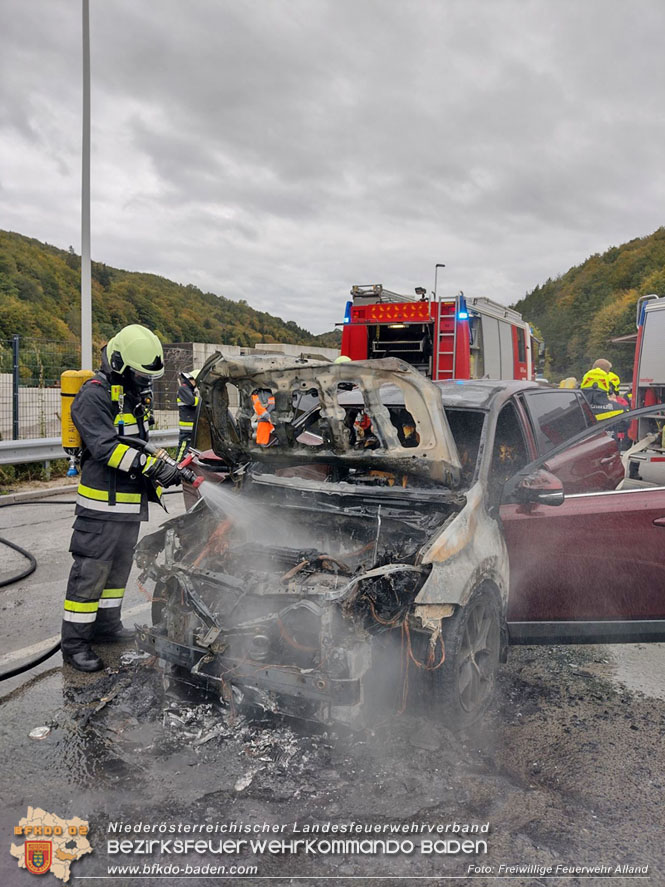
281, 593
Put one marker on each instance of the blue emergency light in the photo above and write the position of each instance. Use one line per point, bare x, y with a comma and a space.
462, 312
347, 312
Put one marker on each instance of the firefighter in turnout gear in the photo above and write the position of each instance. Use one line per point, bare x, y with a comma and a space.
188, 404
117, 481
598, 388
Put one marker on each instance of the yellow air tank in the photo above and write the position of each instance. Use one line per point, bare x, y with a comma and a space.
70, 385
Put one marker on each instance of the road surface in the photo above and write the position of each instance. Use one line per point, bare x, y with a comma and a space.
567, 768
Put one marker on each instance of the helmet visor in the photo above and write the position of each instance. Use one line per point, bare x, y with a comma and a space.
155, 369
142, 380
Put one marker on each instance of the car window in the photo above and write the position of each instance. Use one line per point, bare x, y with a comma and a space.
555, 416
610, 460
509, 452
466, 426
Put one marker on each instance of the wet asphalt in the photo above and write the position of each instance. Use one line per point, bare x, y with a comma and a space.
567, 767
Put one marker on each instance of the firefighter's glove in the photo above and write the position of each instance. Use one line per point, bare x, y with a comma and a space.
164, 474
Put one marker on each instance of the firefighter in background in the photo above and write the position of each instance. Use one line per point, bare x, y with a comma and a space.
188, 402
263, 401
117, 481
598, 389
613, 384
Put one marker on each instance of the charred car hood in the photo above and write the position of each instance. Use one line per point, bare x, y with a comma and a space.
429, 453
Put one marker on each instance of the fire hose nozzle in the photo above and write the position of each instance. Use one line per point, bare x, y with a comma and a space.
187, 474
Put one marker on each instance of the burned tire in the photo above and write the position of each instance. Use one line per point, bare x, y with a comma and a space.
462, 688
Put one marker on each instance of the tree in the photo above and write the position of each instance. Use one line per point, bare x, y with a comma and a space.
73, 261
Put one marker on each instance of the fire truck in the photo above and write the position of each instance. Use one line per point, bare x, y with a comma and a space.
646, 460
444, 338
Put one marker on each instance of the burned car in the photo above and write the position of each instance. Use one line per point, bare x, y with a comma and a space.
331, 552
357, 557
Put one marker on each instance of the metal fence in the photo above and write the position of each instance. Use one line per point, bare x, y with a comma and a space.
30, 387
178, 358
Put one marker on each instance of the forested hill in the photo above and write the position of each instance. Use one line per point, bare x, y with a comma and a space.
579, 312
40, 297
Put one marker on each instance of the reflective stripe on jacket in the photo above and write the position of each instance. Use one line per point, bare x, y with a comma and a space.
609, 414
112, 485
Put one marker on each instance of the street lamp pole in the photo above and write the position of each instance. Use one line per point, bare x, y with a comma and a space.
86, 282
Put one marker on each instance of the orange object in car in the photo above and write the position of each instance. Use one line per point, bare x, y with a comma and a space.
265, 426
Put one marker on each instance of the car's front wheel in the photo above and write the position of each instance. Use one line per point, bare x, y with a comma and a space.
463, 686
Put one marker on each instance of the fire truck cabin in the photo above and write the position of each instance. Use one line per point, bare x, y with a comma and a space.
456, 338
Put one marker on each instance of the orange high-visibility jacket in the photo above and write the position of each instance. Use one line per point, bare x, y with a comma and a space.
265, 426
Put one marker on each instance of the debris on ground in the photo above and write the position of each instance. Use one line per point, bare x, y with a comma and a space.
39, 733
551, 768
133, 657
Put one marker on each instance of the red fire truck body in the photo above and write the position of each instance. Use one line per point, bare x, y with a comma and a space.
646, 462
455, 338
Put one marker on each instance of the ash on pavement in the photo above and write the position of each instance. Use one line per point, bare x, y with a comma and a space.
566, 768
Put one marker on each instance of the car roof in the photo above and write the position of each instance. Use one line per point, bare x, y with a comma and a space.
481, 393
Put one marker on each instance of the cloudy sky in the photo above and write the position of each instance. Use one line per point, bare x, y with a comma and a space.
281, 150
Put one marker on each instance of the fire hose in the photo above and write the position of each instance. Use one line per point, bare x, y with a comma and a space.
32, 566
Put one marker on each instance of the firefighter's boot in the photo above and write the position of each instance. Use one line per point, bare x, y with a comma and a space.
84, 660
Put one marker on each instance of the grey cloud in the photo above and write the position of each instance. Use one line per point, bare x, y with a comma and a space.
281, 151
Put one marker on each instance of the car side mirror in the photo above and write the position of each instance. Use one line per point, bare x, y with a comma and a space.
540, 488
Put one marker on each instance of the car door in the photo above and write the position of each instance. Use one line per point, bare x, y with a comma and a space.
591, 569
594, 464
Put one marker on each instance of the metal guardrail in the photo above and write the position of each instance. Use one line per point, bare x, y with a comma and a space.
45, 449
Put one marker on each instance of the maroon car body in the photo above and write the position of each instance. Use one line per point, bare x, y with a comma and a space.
597, 556
591, 569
